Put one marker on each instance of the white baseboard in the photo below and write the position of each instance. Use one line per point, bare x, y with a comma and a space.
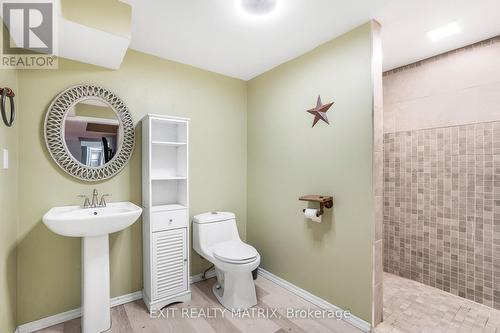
126, 298
199, 277
49, 321
76, 313
71, 314
352, 319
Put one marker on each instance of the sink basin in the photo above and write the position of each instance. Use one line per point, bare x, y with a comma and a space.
75, 221
94, 226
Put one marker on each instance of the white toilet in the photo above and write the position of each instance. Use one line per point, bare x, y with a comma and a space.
215, 238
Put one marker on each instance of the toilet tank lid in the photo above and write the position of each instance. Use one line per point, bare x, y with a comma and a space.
213, 217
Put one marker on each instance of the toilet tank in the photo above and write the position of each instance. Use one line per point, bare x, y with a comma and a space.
212, 228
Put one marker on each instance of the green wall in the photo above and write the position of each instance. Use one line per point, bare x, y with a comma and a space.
8, 220
48, 264
287, 159
284, 158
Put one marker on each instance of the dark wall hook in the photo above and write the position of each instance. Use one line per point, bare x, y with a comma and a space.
10, 92
4, 94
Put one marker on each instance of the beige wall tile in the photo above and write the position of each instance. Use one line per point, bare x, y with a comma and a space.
378, 171
442, 210
390, 119
378, 255
378, 304
458, 88
379, 217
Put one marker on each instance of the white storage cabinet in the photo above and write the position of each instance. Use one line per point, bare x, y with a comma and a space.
165, 150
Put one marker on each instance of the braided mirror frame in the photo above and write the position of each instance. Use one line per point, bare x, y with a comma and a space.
54, 133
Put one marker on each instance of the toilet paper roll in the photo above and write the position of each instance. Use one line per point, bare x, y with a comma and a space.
311, 214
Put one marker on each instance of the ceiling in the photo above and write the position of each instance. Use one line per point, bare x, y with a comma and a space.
216, 35
405, 25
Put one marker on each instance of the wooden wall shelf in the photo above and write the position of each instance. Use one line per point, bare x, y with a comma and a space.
323, 200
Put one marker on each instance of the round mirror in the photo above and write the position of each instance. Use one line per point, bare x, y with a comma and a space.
92, 132
89, 132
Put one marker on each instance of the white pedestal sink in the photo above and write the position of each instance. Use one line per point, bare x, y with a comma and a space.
94, 225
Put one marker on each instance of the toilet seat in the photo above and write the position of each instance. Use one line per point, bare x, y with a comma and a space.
234, 252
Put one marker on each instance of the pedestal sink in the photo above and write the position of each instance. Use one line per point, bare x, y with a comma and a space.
94, 225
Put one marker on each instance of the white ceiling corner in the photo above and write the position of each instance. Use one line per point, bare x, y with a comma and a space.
405, 24
85, 44
92, 46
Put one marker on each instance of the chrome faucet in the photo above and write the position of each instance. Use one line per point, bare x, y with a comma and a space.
102, 203
94, 199
95, 203
86, 201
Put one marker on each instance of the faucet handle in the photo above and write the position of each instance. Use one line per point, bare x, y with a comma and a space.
102, 203
86, 202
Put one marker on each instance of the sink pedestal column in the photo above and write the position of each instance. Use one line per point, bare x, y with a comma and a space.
95, 284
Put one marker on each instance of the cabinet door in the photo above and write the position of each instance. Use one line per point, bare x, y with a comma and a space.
169, 263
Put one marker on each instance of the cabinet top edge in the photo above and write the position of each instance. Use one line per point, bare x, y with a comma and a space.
165, 117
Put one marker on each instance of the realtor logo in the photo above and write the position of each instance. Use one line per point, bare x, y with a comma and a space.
28, 35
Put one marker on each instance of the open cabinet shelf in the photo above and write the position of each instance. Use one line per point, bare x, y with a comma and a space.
171, 131
168, 162
167, 143
163, 208
166, 177
170, 191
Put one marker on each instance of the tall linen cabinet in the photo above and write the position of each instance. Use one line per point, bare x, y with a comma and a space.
165, 199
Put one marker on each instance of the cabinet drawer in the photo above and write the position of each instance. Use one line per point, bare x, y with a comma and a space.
166, 220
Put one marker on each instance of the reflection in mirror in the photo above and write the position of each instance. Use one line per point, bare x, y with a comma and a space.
92, 132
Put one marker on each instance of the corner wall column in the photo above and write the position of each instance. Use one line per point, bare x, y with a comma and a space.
378, 175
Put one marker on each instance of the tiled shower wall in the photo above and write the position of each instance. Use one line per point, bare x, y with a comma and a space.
442, 208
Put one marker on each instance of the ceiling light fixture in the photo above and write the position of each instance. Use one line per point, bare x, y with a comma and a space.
258, 7
444, 31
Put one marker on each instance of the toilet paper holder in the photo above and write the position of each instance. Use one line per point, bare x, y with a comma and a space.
324, 201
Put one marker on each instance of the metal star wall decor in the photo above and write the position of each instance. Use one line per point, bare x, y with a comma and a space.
319, 111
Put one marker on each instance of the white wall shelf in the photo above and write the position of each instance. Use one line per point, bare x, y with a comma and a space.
167, 177
167, 143
161, 208
165, 198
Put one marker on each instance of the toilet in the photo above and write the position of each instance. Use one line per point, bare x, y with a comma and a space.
216, 238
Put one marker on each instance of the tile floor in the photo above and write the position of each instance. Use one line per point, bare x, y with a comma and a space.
410, 307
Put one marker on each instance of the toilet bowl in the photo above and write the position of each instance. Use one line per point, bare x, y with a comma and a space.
216, 238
